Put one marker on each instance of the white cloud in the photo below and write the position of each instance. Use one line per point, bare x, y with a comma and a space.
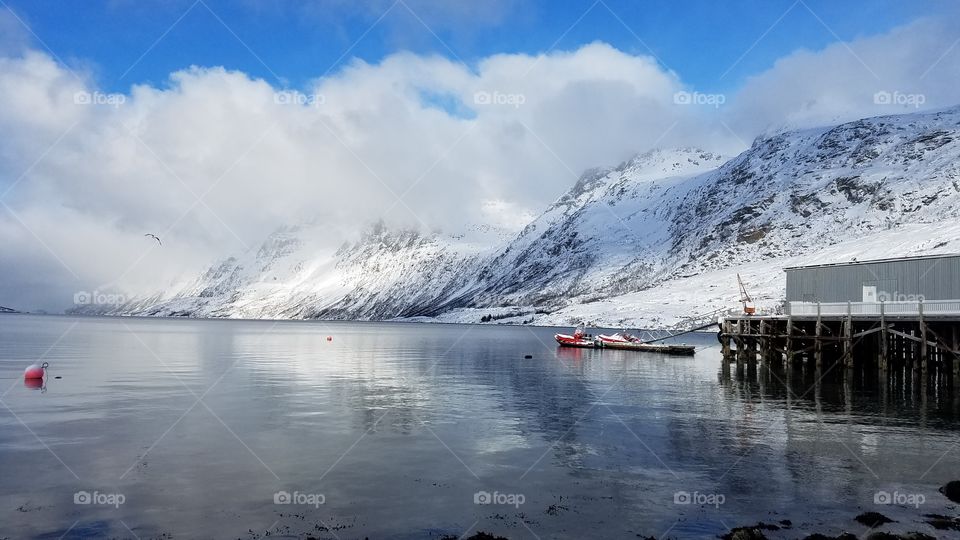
343, 150
839, 83
449, 139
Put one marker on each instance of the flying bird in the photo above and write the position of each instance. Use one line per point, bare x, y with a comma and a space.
155, 237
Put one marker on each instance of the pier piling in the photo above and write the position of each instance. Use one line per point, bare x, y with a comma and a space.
898, 340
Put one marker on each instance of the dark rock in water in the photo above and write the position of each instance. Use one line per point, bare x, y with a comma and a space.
943, 523
952, 491
786, 523
753, 532
873, 519
555, 509
744, 533
908, 536
479, 536
843, 536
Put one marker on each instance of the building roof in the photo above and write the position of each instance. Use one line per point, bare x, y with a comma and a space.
875, 261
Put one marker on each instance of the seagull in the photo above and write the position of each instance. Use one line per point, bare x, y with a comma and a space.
155, 237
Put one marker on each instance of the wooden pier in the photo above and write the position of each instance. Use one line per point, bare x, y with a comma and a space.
923, 336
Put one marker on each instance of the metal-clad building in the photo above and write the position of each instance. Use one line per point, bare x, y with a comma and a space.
932, 277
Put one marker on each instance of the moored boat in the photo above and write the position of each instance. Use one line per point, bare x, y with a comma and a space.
580, 338
620, 340
664, 348
572, 341
625, 341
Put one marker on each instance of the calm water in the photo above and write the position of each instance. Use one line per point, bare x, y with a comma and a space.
190, 429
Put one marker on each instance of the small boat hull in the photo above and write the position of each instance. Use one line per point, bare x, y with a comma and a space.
571, 341
679, 350
622, 341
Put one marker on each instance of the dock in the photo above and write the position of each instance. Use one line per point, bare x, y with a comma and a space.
920, 336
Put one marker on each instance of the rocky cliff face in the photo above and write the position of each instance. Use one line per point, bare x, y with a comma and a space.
652, 222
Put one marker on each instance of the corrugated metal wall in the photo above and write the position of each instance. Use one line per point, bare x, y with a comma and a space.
934, 279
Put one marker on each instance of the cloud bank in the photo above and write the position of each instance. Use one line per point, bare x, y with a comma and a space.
213, 160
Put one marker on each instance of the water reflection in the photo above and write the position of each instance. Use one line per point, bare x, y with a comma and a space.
900, 395
400, 425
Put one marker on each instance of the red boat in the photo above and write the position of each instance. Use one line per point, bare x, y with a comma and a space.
579, 339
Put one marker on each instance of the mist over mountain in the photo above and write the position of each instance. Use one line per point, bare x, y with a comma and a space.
653, 241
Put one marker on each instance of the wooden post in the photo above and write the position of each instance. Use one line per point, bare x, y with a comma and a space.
744, 340
955, 358
923, 341
725, 339
848, 338
789, 346
725, 348
884, 338
740, 348
910, 351
818, 343
764, 341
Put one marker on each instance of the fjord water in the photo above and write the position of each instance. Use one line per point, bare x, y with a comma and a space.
191, 428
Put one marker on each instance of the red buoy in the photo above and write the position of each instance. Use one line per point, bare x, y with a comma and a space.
35, 371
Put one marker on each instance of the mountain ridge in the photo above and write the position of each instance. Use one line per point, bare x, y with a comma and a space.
662, 217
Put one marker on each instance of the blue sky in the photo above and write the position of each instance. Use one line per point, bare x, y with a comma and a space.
406, 138
713, 46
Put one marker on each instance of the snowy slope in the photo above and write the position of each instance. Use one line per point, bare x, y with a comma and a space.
652, 241
384, 274
597, 237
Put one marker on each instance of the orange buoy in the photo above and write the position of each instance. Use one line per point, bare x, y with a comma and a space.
35, 371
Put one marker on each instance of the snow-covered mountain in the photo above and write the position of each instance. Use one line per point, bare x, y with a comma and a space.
385, 274
651, 242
